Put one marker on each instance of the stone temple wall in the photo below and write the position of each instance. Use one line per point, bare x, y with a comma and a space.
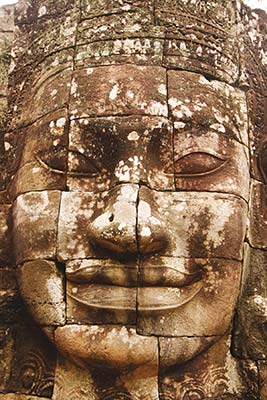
77, 99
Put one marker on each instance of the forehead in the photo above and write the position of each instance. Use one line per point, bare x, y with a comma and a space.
134, 90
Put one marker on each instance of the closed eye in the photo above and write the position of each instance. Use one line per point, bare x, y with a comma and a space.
80, 165
198, 164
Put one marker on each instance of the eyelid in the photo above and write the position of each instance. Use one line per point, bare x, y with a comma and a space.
61, 172
222, 160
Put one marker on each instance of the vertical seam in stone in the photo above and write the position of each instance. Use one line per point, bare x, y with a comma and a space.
159, 394
138, 259
154, 12
259, 381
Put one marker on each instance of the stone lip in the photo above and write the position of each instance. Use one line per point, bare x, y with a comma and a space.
107, 297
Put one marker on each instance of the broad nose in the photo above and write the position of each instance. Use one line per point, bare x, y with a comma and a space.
125, 225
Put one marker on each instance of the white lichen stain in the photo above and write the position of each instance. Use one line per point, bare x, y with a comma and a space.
133, 136
42, 11
162, 89
114, 92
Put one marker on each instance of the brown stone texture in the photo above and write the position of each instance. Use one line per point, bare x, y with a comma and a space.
10, 301
12, 396
29, 219
42, 288
200, 229
215, 375
257, 233
133, 155
119, 90
29, 361
250, 323
110, 150
87, 223
263, 379
5, 236
131, 371
203, 308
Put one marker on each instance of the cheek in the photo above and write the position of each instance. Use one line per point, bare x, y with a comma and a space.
198, 224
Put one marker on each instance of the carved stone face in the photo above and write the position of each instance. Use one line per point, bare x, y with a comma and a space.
141, 197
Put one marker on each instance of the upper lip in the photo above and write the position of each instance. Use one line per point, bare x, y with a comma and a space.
114, 273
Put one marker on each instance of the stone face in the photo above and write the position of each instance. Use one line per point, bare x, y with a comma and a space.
35, 225
133, 155
42, 288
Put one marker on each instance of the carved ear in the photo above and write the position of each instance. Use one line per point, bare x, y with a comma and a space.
262, 161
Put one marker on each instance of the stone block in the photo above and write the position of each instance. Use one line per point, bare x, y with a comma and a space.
97, 8
47, 141
39, 90
42, 155
36, 176
133, 39
42, 288
200, 37
210, 376
138, 51
257, 233
205, 106
6, 351
196, 298
111, 351
250, 322
191, 224
35, 217
106, 151
5, 236
119, 90
13, 396
7, 18
93, 225
263, 379
10, 302
33, 363
210, 161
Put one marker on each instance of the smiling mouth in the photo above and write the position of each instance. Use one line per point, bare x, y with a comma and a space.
105, 285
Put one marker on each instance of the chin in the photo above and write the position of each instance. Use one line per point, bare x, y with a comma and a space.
116, 347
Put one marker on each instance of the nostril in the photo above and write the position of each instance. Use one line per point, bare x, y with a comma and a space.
111, 218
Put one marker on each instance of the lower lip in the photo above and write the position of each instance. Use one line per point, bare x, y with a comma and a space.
145, 299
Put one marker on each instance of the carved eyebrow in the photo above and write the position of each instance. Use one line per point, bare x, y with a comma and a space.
222, 129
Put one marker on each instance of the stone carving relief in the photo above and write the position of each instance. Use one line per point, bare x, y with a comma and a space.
133, 202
